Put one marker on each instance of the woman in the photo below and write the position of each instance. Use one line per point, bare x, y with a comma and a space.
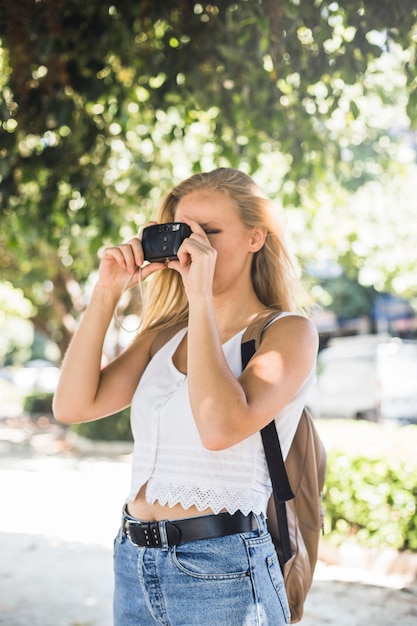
193, 546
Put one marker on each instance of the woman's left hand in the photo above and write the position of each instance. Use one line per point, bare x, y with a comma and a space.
196, 261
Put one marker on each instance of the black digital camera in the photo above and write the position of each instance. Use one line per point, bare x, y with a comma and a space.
161, 242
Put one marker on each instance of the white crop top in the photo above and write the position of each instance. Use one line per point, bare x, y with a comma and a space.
168, 455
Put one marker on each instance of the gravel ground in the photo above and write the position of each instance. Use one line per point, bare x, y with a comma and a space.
60, 512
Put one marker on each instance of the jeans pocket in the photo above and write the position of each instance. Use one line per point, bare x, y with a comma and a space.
277, 580
222, 558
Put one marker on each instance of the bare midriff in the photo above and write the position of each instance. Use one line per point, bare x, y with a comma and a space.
156, 512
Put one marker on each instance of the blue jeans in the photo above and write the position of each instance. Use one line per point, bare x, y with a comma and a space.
234, 580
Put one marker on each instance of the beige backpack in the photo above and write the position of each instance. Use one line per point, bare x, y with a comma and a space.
295, 514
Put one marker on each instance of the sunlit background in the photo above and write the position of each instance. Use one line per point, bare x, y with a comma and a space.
103, 107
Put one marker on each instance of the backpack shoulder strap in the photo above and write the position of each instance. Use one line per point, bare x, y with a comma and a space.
280, 484
257, 327
252, 336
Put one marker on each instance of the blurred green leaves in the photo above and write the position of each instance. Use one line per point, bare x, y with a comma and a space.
79, 74
372, 500
103, 105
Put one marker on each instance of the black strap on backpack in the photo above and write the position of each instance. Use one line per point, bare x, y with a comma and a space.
280, 484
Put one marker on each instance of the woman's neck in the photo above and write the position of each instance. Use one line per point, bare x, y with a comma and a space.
234, 315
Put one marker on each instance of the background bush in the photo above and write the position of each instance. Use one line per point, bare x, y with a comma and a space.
371, 485
371, 500
113, 428
38, 402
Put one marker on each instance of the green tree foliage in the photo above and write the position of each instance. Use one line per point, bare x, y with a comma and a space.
349, 298
105, 104
372, 500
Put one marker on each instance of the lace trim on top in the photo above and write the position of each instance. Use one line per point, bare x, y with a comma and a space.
217, 500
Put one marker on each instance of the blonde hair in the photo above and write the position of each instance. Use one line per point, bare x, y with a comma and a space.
274, 278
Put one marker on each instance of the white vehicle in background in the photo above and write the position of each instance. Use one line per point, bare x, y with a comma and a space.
371, 377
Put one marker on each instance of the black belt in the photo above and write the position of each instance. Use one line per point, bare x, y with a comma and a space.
148, 534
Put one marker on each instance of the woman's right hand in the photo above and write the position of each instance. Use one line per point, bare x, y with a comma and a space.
120, 262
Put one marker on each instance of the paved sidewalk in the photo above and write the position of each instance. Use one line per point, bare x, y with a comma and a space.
59, 514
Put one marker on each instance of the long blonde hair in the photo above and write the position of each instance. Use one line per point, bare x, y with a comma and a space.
274, 278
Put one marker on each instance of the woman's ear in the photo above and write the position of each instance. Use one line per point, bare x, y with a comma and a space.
257, 239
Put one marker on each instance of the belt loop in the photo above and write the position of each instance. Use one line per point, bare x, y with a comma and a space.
261, 522
163, 535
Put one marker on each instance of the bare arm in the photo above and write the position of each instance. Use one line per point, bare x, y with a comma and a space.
85, 392
228, 410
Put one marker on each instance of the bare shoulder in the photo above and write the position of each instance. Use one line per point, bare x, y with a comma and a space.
148, 342
142, 343
292, 322
284, 360
163, 335
291, 333
136, 356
